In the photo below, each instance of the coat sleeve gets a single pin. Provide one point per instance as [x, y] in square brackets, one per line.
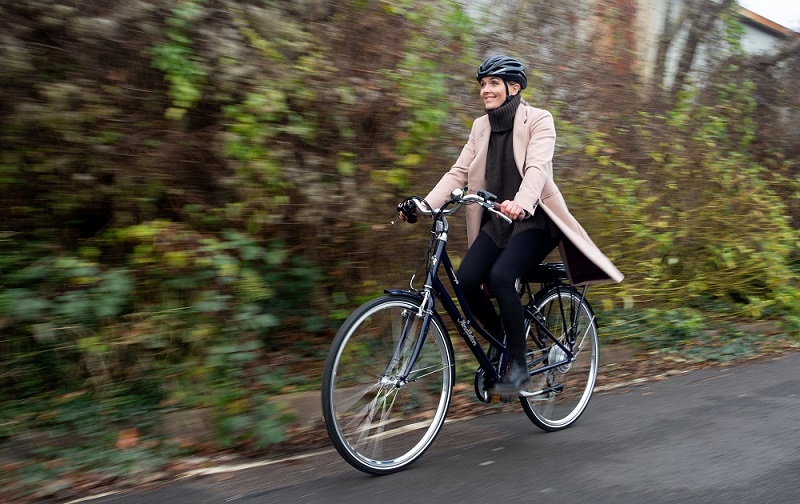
[538, 167]
[457, 176]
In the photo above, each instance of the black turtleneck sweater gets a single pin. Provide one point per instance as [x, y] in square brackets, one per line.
[502, 176]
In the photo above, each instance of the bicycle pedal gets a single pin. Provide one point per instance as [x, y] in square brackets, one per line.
[496, 399]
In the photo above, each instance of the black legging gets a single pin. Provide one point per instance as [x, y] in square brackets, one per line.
[500, 267]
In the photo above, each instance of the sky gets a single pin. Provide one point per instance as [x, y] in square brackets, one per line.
[783, 12]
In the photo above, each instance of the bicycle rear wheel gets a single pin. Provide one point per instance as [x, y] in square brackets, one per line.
[557, 398]
[377, 421]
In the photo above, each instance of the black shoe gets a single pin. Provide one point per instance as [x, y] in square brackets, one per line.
[512, 382]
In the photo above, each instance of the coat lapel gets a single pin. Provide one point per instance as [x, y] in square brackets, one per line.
[520, 137]
[478, 167]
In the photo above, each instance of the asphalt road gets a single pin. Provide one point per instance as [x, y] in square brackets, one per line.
[724, 435]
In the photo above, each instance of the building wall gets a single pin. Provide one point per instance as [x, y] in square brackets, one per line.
[760, 34]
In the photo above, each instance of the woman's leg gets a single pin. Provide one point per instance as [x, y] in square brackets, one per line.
[474, 272]
[524, 252]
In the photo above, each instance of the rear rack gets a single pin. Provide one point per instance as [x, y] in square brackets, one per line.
[546, 273]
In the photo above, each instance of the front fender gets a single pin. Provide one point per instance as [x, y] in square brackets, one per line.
[404, 292]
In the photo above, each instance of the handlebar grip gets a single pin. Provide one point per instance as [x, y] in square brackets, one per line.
[409, 209]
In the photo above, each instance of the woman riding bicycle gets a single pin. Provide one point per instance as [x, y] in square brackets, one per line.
[510, 154]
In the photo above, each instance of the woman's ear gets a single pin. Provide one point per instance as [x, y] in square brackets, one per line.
[514, 88]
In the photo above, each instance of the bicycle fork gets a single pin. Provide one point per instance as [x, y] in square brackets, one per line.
[397, 371]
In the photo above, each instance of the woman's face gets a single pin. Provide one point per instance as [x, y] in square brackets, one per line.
[493, 91]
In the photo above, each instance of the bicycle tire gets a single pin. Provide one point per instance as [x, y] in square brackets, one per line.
[377, 423]
[565, 391]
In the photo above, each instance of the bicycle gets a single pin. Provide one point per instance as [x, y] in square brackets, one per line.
[389, 374]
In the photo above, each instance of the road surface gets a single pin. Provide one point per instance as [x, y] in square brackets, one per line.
[724, 435]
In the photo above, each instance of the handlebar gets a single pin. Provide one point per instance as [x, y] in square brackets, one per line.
[458, 198]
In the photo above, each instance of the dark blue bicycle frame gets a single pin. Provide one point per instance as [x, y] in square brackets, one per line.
[466, 323]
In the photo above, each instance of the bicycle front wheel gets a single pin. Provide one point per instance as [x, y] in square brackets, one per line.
[559, 396]
[381, 410]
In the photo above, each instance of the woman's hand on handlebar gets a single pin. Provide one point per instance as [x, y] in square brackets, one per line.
[406, 210]
[511, 209]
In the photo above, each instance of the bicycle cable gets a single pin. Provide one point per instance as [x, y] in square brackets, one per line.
[425, 258]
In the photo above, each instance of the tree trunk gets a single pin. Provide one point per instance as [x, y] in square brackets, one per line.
[703, 15]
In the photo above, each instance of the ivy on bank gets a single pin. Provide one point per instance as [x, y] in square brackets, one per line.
[181, 322]
[177, 59]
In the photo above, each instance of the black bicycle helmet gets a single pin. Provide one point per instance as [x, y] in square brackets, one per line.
[505, 67]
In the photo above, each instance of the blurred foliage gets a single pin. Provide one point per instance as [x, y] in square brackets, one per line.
[196, 192]
[185, 186]
[699, 222]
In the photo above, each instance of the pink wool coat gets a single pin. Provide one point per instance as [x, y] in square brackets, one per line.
[534, 143]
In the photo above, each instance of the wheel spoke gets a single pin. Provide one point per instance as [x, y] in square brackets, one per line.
[562, 393]
[418, 374]
[346, 402]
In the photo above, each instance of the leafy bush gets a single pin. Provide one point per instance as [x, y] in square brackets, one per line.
[692, 220]
[183, 321]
